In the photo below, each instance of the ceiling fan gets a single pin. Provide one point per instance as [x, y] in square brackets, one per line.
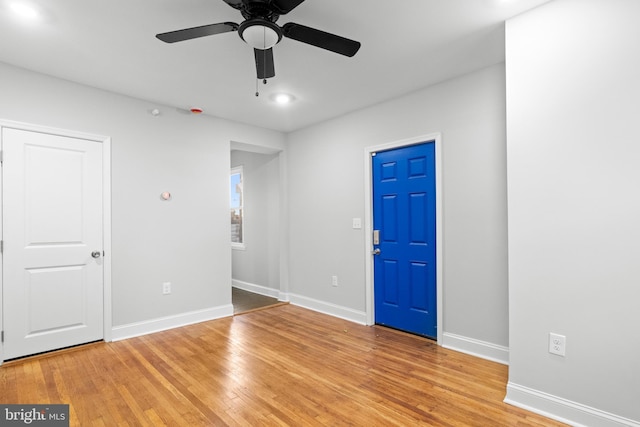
[260, 31]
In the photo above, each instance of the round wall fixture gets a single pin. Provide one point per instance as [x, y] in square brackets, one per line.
[165, 195]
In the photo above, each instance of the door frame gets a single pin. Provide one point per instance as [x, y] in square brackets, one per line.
[106, 215]
[435, 138]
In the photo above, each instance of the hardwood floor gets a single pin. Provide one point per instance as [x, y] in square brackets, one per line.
[245, 301]
[280, 366]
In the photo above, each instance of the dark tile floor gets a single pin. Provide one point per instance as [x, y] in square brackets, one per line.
[244, 301]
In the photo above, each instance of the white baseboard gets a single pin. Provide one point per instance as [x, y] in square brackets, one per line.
[256, 289]
[563, 410]
[474, 347]
[163, 323]
[327, 308]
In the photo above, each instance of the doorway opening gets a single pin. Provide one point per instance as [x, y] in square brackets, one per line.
[256, 261]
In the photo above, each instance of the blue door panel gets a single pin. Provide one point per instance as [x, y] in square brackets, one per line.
[391, 292]
[388, 171]
[417, 167]
[404, 214]
[390, 217]
[417, 214]
[418, 283]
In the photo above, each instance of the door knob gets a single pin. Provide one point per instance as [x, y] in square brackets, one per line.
[376, 251]
[95, 254]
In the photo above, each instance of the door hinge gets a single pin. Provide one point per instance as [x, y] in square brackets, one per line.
[1, 157]
[1, 246]
[2, 336]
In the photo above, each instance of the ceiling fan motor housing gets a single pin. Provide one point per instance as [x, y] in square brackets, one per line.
[258, 9]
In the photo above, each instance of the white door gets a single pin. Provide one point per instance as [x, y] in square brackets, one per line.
[53, 241]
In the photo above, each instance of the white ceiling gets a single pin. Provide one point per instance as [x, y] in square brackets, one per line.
[406, 45]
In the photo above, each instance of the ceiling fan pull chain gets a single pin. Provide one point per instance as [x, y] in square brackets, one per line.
[264, 54]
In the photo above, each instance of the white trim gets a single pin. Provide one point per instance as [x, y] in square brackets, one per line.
[1, 255]
[563, 410]
[170, 322]
[327, 308]
[106, 213]
[284, 227]
[368, 224]
[106, 238]
[477, 348]
[52, 130]
[256, 289]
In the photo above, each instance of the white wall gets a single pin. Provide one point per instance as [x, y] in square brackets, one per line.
[573, 92]
[259, 262]
[326, 190]
[184, 241]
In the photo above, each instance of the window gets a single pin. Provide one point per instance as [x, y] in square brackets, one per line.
[237, 234]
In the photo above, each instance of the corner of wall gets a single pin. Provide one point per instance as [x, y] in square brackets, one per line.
[478, 348]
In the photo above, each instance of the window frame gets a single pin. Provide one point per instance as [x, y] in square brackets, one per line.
[238, 170]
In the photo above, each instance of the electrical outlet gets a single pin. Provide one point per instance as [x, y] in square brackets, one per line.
[166, 288]
[557, 344]
[334, 281]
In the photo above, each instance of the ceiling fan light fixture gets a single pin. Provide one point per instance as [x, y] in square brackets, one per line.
[260, 34]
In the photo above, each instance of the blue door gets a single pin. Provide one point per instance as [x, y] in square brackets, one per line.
[404, 222]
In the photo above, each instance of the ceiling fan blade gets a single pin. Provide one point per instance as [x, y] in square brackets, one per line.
[195, 32]
[321, 39]
[284, 6]
[264, 63]
[236, 4]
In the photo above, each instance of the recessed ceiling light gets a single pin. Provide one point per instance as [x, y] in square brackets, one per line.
[283, 98]
[24, 11]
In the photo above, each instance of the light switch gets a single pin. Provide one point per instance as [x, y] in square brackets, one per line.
[357, 223]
